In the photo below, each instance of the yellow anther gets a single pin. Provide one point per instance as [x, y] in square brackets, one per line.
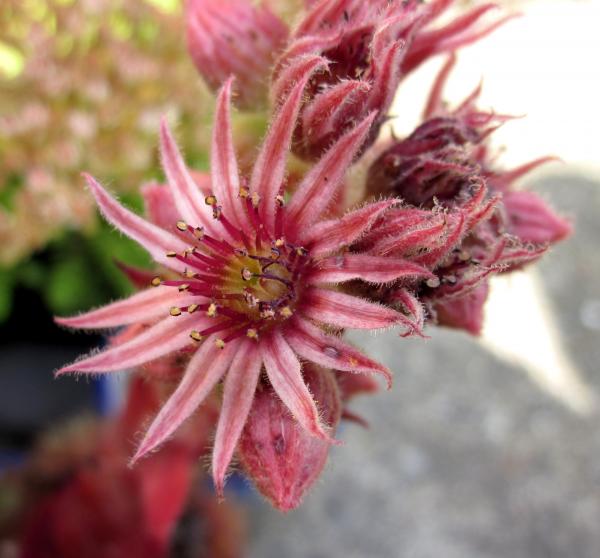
[220, 344]
[195, 335]
[210, 200]
[255, 199]
[183, 287]
[192, 308]
[182, 226]
[175, 311]
[156, 281]
[286, 312]
[247, 274]
[189, 274]
[279, 242]
[301, 251]
[199, 233]
[280, 200]
[212, 310]
[171, 254]
[244, 192]
[252, 333]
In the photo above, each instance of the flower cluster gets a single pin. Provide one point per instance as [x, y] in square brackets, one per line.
[262, 268]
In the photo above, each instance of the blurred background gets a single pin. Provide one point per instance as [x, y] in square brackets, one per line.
[484, 448]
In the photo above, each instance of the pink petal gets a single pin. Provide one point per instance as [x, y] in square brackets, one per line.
[167, 336]
[311, 343]
[283, 370]
[329, 236]
[372, 269]
[466, 312]
[330, 112]
[160, 207]
[154, 239]
[224, 168]
[291, 62]
[238, 394]
[435, 102]
[320, 185]
[346, 311]
[532, 220]
[269, 168]
[143, 307]
[186, 193]
[203, 372]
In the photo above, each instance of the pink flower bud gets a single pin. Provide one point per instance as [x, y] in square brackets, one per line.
[281, 457]
[234, 37]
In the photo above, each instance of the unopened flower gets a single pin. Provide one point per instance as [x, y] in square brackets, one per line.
[443, 171]
[249, 274]
[236, 37]
[371, 46]
[281, 457]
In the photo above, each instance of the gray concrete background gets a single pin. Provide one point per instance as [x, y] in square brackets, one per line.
[466, 457]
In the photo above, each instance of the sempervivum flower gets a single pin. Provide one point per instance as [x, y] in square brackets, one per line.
[228, 37]
[249, 281]
[443, 170]
[371, 46]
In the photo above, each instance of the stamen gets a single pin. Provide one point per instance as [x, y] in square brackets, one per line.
[171, 254]
[156, 281]
[175, 311]
[182, 226]
[286, 312]
[220, 343]
[212, 310]
[210, 200]
[247, 274]
[252, 333]
[183, 287]
[192, 308]
[196, 336]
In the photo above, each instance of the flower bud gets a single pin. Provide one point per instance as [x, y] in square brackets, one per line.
[234, 37]
[282, 458]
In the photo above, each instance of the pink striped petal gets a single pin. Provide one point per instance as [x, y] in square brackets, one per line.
[346, 311]
[269, 169]
[186, 193]
[283, 370]
[372, 269]
[203, 372]
[143, 307]
[238, 394]
[329, 236]
[311, 343]
[320, 185]
[167, 336]
[154, 239]
[224, 168]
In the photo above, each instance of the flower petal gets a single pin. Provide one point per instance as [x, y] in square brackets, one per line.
[223, 164]
[142, 307]
[269, 169]
[186, 193]
[159, 206]
[283, 370]
[320, 185]
[238, 394]
[167, 336]
[154, 239]
[346, 311]
[329, 236]
[311, 343]
[372, 269]
[203, 372]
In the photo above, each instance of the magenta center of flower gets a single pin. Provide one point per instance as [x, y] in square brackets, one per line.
[249, 282]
